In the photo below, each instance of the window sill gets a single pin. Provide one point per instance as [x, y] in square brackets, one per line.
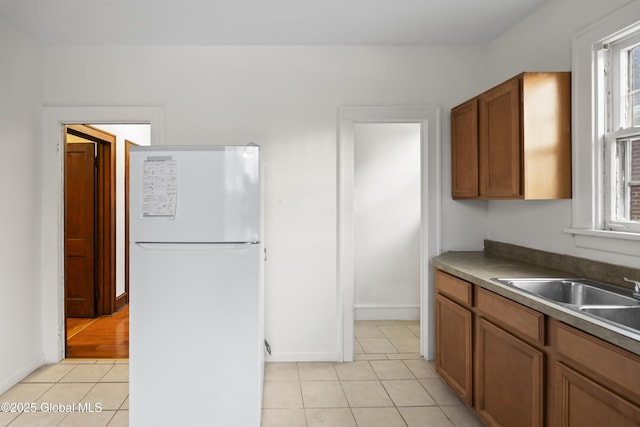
[620, 242]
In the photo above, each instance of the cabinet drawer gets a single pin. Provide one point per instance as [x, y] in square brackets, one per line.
[615, 367]
[456, 289]
[524, 322]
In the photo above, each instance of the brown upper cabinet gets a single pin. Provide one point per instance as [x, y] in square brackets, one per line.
[464, 150]
[514, 140]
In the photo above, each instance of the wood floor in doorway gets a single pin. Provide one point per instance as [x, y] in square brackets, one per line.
[105, 337]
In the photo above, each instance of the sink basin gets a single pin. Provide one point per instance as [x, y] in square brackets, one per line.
[610, 304]
[626, 316]
[576, 292]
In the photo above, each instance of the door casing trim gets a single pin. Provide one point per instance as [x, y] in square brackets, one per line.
[52, 203]
[431, 194]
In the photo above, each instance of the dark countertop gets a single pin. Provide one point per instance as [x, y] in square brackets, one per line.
[480, 268]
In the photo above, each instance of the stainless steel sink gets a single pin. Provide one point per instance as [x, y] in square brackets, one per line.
[612, 305]
[574, 292]
[626, 316]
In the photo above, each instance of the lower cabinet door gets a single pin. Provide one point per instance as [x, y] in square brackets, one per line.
[454, 345]
[509, 379]
[581, 402]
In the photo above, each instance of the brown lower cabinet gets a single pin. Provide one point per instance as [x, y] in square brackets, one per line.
[517, 367]
[582, 402]
[453, 361]
[509, 379]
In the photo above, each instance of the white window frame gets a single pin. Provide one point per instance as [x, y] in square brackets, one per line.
[610, 221]
[587, 215]
[613, 68]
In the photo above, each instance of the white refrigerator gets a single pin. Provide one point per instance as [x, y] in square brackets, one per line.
[196, 352]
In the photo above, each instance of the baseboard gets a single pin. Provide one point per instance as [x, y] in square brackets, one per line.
[302, 357]
[21, 373]
[399, 312]
[121, 301]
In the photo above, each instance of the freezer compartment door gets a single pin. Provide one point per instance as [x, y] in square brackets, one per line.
[195, 194]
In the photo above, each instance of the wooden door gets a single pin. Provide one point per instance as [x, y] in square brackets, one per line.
[106, 229]
[500, 141]
[581, 402]
[464, 150]
[104, 213]
[509, 379]
[80, 230]
[454, 346]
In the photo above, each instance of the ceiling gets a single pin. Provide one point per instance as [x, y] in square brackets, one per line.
[264, 22]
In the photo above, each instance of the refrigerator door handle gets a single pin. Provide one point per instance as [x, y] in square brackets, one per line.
[163, 246]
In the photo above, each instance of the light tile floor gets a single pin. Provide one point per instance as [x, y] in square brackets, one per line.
[388, 384]
[98, 388]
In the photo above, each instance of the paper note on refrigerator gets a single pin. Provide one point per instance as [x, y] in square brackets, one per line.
[159, 187]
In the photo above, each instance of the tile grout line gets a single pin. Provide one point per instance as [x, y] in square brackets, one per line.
[304, 409]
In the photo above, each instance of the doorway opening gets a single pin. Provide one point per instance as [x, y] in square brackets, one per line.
[95, 193]
[428, 122]
[52, 208]
[387, 225]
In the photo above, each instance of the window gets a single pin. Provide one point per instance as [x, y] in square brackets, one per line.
[594, 137]
[619, 111]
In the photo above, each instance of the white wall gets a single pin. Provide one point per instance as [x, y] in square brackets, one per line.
[542, 42]
[20, 304]
[141, 135]
[285, 99]
[387, 220]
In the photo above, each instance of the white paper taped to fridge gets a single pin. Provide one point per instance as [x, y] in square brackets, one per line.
[159, 187]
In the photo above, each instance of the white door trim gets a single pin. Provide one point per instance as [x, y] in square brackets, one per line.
[429, 118]
[52, 204]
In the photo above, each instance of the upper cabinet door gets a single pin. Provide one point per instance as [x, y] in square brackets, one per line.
[500, 141]
[464, 150]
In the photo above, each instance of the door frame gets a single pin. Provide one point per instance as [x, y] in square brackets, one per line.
[431, 195]
[52, 204]
[127, 154]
